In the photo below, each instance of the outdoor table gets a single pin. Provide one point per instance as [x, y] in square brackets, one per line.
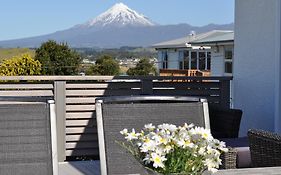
[251, 171]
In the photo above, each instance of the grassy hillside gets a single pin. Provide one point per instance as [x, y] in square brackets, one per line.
[9, 53]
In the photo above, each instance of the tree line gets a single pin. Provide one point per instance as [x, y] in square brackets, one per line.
[120, 53]
[53, 58]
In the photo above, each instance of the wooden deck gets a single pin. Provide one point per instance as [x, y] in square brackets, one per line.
[79, 168]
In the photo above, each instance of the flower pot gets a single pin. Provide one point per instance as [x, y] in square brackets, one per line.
[151, 172]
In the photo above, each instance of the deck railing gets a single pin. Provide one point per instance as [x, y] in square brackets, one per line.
[184, 72]
[75, 100]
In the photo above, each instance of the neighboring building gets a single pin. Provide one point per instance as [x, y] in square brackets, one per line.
[177, 55]
[257, 64]
[222, 47]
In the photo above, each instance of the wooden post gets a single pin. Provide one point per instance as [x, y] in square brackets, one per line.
[59, 88]
[147, 86]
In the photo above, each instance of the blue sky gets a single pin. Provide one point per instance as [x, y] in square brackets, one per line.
[36, 17]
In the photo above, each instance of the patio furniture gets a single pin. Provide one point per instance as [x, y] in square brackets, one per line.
[251, 171]
[241, 147]
[116, 113]
[225, 123]
[229, 159]
[28, 137]
[265, 148]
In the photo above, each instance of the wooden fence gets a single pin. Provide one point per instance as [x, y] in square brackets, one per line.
[75, 100]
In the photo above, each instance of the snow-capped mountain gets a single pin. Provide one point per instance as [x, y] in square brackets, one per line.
[116, 27]
[119, 15]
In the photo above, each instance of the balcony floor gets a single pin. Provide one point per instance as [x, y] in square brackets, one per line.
[93, 168]
[79, 168]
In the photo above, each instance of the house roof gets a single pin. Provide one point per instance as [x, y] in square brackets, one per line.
[221, 37]
[185, 42]
[176, 43]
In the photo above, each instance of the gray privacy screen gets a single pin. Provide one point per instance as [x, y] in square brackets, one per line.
[116, 117]
[25, 139]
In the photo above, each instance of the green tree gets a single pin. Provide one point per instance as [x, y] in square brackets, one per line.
[143, 67]
[20, 65]
[58, 59]
[105, 65]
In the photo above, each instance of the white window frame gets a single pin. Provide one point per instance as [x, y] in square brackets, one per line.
[165, 54]
[228, 48]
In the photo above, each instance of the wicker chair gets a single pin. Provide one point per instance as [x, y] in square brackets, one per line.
[116, 113]
[225, 123]
[229, 159]
[265, 148]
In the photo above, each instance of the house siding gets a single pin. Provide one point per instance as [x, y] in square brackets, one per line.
[256, 78]
[175, 56]
[159, 60]
[217, 62]
[173, 60]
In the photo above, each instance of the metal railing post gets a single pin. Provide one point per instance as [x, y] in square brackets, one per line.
[59, 93]
[225, 93]
[147, 86]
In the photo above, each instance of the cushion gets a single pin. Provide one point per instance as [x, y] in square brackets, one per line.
[241, 145]
[243, 159]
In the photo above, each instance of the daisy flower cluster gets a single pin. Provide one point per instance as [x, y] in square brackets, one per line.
[171, 149]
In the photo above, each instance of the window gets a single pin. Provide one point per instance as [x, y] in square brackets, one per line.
[193, 60]
[228, 67]
[199, 60]
[208, 61]
[228, 57]
[180, 59]
[164, 59]
[186, 59]
[202, 60]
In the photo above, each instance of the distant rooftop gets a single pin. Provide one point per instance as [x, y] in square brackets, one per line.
[213, 39]
[208, 37]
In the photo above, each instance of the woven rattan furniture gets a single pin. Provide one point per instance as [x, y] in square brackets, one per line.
[241, 146]
[116, 113]
[28, 137]
[229, 159]
[225, 123]
[265, 148]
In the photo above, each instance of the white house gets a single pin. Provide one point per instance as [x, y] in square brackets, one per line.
[182, 54]
[257, 63]
[222, 47]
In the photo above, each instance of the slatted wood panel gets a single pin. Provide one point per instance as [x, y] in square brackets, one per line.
[81, 128]
[208, 89]
[26, 90]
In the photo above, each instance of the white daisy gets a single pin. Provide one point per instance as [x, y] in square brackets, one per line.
[132, 135]
[158, 161]
[149, 127]
[124, 131]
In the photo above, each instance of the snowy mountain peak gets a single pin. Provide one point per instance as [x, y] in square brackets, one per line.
[119, 15]
[119, 7]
